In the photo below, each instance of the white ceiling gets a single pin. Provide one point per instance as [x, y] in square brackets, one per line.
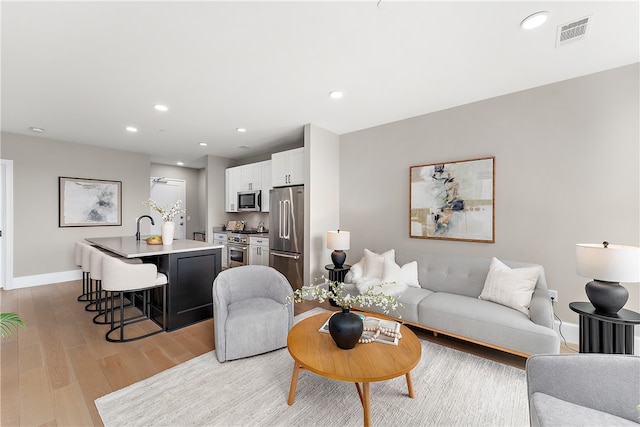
[85, 70]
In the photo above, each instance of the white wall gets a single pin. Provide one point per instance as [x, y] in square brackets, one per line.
[567, 171]
[322, 201]
[40, 246]
[215, 191]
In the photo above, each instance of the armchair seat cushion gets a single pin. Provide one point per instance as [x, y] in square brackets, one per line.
[552, 411]
[258, 324]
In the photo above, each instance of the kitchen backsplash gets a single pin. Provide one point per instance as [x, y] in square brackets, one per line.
[251, 219]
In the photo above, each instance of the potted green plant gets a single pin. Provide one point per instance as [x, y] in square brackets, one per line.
[8, 323]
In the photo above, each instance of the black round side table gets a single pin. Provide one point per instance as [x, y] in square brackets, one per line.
[605, 333]
[337, 274]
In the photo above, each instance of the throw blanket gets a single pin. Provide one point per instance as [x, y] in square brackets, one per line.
[392, 288]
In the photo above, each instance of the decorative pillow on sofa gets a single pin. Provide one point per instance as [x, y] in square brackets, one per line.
[407, 274]
[367, 274]
[512, 287]
[373, 265]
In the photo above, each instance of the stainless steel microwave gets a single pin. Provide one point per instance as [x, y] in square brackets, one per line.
[249, 200]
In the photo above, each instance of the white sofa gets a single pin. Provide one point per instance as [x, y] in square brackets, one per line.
[446, 301]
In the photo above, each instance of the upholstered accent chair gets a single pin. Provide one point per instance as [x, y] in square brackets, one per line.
[250, 311]
[586, 389]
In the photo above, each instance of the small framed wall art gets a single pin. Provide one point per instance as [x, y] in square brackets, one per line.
[89, 202]
[453, 201]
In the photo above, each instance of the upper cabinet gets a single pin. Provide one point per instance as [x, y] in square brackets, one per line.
[250, 177]
[287, 168]
[233, 176]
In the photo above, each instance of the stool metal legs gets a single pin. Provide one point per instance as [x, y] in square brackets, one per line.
[146, 314]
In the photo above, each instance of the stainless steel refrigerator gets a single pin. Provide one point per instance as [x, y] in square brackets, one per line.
[286, 232]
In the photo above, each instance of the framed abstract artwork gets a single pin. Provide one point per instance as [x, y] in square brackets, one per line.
[453, 201]
[89, 202]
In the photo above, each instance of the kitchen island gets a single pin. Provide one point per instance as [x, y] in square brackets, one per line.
[191, 266]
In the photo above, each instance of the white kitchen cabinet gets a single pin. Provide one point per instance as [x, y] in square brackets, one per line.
[221, 239]
[287, 167]
[258, 250]
[251, 177]
[233, 177]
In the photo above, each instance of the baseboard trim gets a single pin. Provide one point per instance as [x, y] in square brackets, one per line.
[46, 279]
[571, 333]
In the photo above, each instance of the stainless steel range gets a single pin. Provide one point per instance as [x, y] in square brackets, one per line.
[237, 250]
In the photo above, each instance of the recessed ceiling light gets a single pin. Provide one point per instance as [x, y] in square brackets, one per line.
[241, 130]
[203, 144]
[336, 94]
[131, 129]
[161, 107]
[36, 129]
[244, 147]
[534, 21]
[180, 163]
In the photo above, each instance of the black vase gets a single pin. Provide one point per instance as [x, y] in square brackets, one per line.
[345, 329]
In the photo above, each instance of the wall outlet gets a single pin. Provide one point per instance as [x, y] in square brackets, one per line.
[553, 294]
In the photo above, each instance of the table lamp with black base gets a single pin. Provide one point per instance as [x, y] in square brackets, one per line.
[339, 242]
[608, 265]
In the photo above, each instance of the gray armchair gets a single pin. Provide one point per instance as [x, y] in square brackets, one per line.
[250, 311]
[586, 389]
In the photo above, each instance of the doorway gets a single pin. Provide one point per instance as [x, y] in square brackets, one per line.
[165, 192]
[6, 224]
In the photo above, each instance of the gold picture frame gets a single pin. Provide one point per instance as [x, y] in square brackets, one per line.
[453, 200]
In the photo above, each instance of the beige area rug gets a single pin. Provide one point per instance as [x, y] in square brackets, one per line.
[452, 389]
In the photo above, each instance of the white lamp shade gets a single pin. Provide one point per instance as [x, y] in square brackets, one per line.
[338, 240]
[615, 263]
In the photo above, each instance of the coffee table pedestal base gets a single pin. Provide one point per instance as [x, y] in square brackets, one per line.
[364, 392]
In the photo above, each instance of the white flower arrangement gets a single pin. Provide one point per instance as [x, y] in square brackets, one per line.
[335, 291]
[167, 213]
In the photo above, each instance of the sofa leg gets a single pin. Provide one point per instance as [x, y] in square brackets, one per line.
[435, 334]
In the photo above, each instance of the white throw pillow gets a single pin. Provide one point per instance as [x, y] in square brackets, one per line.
[408, 273]
[512, 287]
[374, 263]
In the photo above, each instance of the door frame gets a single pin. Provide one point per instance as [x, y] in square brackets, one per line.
[6, 224]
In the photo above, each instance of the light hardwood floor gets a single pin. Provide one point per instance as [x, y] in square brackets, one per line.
[53, 369]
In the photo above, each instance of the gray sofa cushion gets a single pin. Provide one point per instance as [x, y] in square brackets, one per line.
[410, 300]
[551, 411]
[487, 322]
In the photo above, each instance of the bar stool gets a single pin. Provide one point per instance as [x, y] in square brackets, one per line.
[96, 274]
[119, 277]
[86, 269]
[85, 275]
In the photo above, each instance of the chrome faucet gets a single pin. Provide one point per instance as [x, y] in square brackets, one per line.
[138, 224]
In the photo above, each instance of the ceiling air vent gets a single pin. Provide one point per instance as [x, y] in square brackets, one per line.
[572, 31]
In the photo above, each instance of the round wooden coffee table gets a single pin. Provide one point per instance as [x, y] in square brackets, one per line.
[366, 363]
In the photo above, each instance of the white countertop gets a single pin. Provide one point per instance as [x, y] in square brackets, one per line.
[129, 247]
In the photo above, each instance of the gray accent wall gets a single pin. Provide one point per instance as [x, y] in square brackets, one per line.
[39, 245]
[566, 169]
